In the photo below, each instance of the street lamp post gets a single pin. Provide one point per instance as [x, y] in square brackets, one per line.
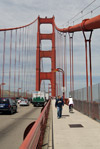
[0, 87]
[18, 91]
[61, 70]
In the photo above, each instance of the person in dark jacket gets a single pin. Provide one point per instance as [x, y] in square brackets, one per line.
[59, 103]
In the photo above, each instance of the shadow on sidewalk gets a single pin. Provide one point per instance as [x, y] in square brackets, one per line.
[63, 116]
[72, 112]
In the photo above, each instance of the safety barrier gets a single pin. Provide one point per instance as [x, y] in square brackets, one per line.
[34, 138]
[92, 109]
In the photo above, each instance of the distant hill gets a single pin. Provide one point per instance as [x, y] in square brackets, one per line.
[6, 94]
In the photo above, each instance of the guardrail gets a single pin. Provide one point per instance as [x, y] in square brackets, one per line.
[91, 109]
[34, 139]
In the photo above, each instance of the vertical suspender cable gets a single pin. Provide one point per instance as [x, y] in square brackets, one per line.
[25, 57]
[27, 61]
[3, 68]
[59, 62]
[10, 61]
[22, 62]
[86, 64]
[66, 70]
[31, 49]
[65, 67]
[30, 64]
[70, 63]
[89, 40]
[19, 60]
[57, 55]
[15, 63]
[90, 64]
[72, 66]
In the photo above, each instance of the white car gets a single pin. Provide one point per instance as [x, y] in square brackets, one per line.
[24, 102]
[19, 100]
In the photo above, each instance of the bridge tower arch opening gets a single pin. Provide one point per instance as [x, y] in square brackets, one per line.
[50, 53]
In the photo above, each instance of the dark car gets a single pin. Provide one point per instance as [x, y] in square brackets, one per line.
[8, 105]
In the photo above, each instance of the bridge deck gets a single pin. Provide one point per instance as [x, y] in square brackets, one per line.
[65, 137]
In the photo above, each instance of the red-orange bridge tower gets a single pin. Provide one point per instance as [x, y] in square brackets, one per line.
[51, 53]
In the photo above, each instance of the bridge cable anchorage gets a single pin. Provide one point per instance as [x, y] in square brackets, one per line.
[71, 61]
[90, 61]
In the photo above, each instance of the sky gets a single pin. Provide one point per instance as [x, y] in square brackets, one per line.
[21, 12]
[14, 13]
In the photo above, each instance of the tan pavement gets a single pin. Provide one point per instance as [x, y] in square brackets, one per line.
[86, 137]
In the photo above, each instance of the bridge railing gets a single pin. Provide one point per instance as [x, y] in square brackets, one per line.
[34, 139]
[88, 107]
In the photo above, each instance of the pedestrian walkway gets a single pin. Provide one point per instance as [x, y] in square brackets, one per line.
[77, 137]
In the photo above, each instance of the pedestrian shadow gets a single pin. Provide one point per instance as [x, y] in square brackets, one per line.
[72, 112]
[64, 116]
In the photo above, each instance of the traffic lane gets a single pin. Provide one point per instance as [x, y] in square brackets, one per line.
[7, 119]
[5, 116]
[11, 134]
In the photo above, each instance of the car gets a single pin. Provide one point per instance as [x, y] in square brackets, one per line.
[24, 102]
[8, 105]
[18, 101]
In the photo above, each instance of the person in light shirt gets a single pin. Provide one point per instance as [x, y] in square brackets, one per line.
[71, 103]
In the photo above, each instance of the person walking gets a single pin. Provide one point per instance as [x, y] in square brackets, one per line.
[58, 104]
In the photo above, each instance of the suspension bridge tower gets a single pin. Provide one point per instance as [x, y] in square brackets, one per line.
[51, 53]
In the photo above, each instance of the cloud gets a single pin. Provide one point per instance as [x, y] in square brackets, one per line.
[20, 12]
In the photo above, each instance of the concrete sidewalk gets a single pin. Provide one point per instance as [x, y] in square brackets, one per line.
[65, 137]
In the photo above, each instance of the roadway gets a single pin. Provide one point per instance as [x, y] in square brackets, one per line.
[12, 126]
